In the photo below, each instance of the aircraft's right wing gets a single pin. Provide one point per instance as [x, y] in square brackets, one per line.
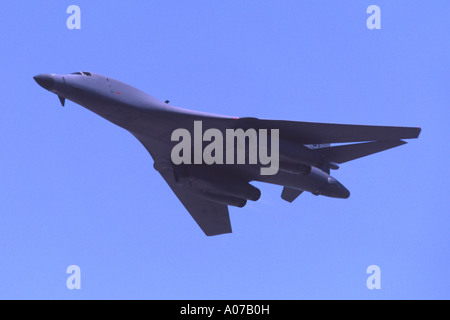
[213, 218]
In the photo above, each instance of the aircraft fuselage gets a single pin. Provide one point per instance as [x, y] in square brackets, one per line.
[143, 115]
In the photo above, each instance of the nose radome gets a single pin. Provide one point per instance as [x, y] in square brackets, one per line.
[46, 81]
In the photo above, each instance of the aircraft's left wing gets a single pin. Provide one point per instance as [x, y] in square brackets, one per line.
[324, 133]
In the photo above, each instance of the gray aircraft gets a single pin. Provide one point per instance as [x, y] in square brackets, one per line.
[305, 152]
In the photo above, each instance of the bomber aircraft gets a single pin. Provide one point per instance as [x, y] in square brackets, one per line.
[205, 158]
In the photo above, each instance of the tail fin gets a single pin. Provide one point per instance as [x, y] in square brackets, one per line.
[341, 154]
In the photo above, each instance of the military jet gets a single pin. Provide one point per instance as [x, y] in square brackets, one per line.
[301, 153]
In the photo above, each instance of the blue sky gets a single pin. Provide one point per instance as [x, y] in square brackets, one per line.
[75, 189]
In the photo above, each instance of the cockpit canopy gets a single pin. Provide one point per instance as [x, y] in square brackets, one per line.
[82, 73]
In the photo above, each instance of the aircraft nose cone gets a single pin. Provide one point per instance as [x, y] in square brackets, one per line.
[46, 81]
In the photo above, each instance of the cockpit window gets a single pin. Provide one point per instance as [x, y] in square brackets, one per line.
[83, 73]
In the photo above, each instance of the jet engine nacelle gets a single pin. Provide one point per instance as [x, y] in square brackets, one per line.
[297, 153]
[294, 168]
[318, 176]
[218, 189]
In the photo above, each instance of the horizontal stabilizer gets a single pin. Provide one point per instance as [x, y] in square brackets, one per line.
[341, 154]
[290, 194]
